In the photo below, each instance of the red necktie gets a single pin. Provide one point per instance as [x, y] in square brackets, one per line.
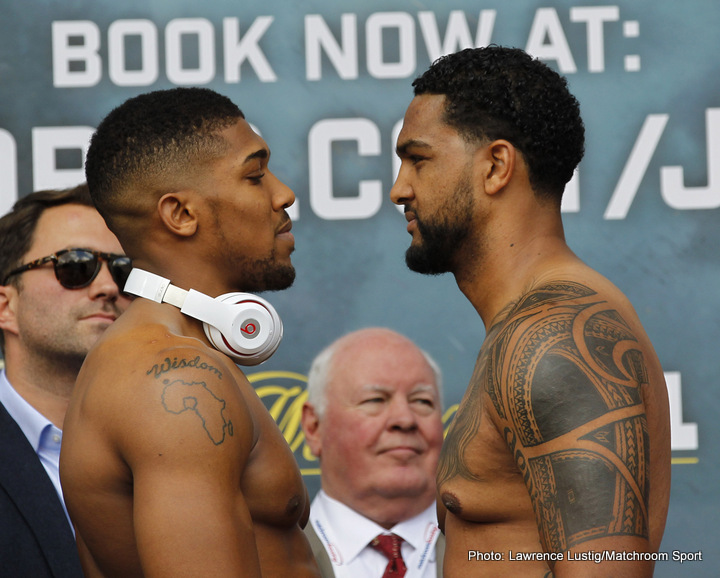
[390, 546]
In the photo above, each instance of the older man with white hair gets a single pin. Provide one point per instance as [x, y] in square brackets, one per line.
[374, 420]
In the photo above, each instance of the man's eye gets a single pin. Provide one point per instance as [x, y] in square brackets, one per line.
[257, 178]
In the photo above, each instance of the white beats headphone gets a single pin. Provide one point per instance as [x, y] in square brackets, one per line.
[241, 325]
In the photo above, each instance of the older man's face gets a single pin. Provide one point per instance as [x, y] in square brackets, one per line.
[381, 432]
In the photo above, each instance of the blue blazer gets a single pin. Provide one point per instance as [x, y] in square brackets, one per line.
[35, 538]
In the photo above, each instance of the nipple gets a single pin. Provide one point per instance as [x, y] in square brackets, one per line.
[293, 505]
[451, 503]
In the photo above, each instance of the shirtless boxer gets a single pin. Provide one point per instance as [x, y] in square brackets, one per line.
[560, 449]
[171, 465]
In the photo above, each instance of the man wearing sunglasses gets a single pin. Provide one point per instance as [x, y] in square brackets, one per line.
[61, 270]
[171, 465]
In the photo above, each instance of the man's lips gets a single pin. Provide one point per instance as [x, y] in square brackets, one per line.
[411, 218]
[286, 228]
[401, 449]
[284, 233]
[101, 316]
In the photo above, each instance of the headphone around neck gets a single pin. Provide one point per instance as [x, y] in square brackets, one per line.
[243, 326]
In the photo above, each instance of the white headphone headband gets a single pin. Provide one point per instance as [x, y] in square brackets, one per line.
[151, 286]
[243, 326]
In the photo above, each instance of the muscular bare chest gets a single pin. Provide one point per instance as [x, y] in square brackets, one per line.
[478, 479]
[271, 483]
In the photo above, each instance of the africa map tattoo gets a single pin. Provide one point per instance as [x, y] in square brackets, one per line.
[180, 396]
[565, 367]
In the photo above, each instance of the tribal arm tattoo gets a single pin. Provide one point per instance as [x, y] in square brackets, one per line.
[565, 375]
[566, 378]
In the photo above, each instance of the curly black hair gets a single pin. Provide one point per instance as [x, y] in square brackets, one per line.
[499, 92]
[151, 137]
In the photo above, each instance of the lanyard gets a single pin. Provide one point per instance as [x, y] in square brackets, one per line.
[416, 563]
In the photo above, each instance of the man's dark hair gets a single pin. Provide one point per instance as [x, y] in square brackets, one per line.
[149, 138]
[17, 228]
[503, 93]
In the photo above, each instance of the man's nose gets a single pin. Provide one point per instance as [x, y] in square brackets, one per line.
[401, 415]
[401, 192]
[104, 285]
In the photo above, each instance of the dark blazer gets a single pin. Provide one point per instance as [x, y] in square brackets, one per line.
[35, 537]
[326, 566]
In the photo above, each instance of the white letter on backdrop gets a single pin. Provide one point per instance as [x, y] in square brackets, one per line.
[595, 16]
[46, 140]
[236, 51]
[318, 35]
[547, 24]
[376, 23]
[66, 52]
[205, 33]
[672, 180]
[117, 69]
[320, 140]
[8, 170]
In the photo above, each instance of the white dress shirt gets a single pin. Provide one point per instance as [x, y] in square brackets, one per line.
[346, 535]
[44, 437]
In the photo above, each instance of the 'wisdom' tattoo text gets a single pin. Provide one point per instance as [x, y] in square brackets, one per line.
[168, 365]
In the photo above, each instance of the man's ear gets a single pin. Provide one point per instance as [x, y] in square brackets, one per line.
[311, 427]
[8, 301]
[178, 213]
[500, 158]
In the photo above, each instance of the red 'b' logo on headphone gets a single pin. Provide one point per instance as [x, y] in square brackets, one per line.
[249, 328]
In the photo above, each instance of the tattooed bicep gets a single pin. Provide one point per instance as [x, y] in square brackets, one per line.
[563, 359]
[192, 387]
[567, 379]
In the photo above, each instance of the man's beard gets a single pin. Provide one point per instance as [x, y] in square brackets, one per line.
[441, 235]
[264, 275]
[255, 276]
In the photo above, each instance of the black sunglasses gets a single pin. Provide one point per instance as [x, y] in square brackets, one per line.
[76, 268]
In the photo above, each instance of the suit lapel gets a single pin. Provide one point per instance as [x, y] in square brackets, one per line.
[321, 555]
[27, 484]
[440, 554]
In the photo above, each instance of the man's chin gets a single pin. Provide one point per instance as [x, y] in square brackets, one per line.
[418, 259]
[277, 279]
[404, 479]
[282, 279]
[404, 488]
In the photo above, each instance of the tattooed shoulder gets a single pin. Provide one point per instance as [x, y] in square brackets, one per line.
[192, 385]
[566, 369]
[563, 358]
[199, 400]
